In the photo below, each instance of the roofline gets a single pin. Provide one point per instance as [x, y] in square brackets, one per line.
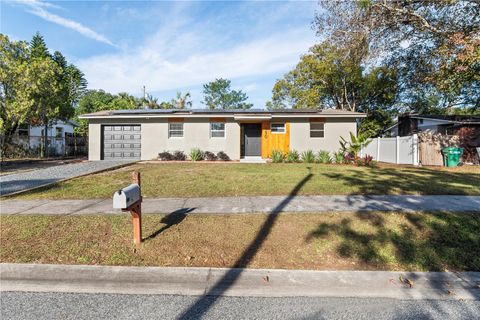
[222, 115]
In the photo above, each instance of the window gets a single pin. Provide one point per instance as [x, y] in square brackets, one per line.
[175, 130]
[217, 129]
[23, 130]
[58, 132]
[277, 127]
[317, 129]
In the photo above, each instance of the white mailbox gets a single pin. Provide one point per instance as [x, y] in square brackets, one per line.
[124, 198]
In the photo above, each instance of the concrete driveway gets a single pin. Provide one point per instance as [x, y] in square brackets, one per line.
[16, 182]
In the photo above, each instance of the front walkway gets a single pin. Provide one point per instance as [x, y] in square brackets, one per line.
[22, 181]
[260, 204]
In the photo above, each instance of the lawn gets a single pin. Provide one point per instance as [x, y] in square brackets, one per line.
[234, 179]
[341, 241]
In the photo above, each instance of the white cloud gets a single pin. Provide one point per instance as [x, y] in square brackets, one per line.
[38, 8]
[154, 65]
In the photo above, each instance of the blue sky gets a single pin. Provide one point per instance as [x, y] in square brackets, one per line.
[170, 46]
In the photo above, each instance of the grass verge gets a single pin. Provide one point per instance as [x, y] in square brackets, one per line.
[353, 241]
[228, 179]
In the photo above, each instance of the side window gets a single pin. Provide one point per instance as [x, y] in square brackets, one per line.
[317, 129]
[175, 130]
[217, 130]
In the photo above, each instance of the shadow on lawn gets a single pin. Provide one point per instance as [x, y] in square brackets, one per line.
[170, 220]
[204, 303]
[378, 180]
[424, 241]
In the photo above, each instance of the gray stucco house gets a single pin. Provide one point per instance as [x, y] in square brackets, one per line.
[142, 134]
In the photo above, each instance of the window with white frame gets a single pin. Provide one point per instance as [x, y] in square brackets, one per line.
[58, 132]
[277, 127]
[23, 129]
[217, 129]
[175, 129]
[317, 129]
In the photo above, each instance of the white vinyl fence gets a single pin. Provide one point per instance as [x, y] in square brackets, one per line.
[399, 150]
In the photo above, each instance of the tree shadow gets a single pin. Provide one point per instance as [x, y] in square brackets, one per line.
[378, 180]
[170, 220]
[433, 241]
[204, 303]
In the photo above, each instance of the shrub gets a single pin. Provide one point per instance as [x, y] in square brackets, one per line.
[223, 156]
[277, 156]
[292, 156]
[348, 158]
[196, 154]
[165, 156]
[209, 156]
[179, 156]
[367, 160]
[339, 157]
[308, 156]
[324, 157]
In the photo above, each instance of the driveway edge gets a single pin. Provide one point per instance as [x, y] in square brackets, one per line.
[239, 282]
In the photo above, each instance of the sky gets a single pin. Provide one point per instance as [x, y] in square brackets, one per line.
[122, 46]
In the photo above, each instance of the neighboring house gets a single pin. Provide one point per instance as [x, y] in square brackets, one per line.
[415, 123]
[142, 134]
[57, 134]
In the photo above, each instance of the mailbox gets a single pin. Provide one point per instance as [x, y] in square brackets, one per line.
[124, 198]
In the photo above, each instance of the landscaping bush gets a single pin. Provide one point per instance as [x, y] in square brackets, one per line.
[348, 158]
[277, 156]
[339, 157]
[308, 156]
[209, 156]
[223, 156]
[165, 156]
[179, 156]
[324, 157]
[196, 154]
[367, 160]
[292, 156]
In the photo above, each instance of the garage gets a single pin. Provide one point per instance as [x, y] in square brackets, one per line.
[121, 142]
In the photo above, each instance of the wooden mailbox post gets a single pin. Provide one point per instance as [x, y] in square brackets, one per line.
[130, 199]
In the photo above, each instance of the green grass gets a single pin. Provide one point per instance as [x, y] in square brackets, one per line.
[341, 241]
[233, 179]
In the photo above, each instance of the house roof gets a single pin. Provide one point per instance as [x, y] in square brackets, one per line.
[457, 119]
[148, 113]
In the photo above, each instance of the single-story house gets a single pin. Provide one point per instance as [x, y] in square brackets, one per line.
[143, 133]
[409, 124]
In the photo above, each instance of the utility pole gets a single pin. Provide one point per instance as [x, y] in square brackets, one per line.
[144, 97]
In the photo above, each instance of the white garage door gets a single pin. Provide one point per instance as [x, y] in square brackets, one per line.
[121, 142]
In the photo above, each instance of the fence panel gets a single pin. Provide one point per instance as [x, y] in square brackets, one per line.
[399, 150]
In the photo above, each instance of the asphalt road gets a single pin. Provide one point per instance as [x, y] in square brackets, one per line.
[22, 305]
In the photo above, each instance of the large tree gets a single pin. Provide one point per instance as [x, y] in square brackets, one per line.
[219, 95]
[333, 77]
[433, 44]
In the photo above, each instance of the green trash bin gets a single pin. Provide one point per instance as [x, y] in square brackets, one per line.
[451, 156]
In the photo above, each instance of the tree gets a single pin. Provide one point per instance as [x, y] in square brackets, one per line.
[182, 101]
[99, 100]
[328, 77]
[219, 95]
[433, 44]
[15, 102]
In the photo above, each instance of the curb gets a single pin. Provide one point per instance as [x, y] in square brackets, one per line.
[239, 282]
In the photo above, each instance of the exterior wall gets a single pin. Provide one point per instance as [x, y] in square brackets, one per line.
[334, 129]
[94, 141]
[196, 134]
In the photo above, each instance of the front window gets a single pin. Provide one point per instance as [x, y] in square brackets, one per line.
[58, 132]
[277, 127]
[175, 130]
[317, 129]
[23, 129]
[217, 130]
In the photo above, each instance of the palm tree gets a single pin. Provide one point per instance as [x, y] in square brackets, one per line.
[182, 101]
[152, 103]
